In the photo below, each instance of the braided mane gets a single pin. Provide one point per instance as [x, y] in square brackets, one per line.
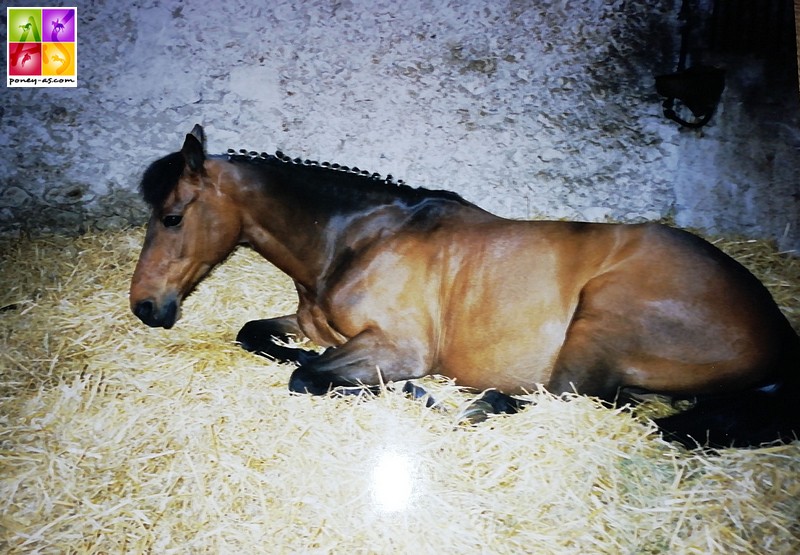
[243, 155]
[161, 177]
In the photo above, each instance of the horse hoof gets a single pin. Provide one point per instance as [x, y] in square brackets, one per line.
[491, 402]
[416, 392]
[304, 381]
[477, 412]
[250, 338]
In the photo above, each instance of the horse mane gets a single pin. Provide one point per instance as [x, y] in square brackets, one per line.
[161, 177]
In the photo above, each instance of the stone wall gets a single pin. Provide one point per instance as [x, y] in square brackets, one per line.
[530, 109]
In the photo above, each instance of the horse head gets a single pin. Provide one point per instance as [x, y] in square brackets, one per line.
[194, 225]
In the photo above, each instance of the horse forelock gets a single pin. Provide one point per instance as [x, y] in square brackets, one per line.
[161, 178]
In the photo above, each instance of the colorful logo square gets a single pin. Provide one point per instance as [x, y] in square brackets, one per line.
[24, 25]
[42, 47]
[25, 58]
[58, 25]
[58, 58]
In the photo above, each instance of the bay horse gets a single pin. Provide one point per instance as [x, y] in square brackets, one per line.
[400, 282]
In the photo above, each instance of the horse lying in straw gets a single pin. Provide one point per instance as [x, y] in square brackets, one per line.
[399, 283]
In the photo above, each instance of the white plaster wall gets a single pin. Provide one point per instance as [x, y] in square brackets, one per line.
[529, 108]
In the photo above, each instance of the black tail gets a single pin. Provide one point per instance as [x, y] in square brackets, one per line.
[747, 419]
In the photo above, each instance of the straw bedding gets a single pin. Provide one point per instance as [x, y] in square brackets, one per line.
[117, 438]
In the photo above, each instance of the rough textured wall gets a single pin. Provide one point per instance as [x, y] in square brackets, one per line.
[530, 108]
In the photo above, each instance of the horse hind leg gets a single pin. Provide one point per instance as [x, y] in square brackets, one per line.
[746, 418]
[584, 367]
[590, 363]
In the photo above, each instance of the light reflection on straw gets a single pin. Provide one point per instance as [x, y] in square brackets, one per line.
[392, 482]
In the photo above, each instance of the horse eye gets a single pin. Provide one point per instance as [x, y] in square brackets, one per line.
[172, 221]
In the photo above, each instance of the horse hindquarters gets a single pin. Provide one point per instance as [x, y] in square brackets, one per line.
[764, 411]
[674, 315]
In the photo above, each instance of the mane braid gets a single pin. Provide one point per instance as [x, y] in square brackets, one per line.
[161, 177]
[363, 177]
[263, 157]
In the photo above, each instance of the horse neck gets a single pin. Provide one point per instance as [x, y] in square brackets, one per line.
[302, 238]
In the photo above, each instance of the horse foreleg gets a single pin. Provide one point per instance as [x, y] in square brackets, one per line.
[263, 336]
[368, 359]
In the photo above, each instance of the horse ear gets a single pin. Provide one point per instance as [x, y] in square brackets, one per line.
[194, 149]
[199, 134]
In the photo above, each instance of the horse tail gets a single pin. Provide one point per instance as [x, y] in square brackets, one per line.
[767, 413]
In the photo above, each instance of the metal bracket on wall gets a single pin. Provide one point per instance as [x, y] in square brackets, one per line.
[699, 88]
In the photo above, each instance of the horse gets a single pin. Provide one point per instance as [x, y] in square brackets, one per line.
[397, 283]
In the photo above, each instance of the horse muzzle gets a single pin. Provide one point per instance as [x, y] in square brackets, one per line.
[157, 316]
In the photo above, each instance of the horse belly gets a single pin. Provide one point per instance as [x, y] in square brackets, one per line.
[513, 364]
[506, 322]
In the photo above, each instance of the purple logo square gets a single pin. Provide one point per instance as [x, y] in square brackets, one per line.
[58, 25]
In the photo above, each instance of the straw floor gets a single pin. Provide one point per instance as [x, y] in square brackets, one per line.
[117, 438]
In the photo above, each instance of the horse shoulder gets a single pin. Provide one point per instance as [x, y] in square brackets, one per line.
[391, 284]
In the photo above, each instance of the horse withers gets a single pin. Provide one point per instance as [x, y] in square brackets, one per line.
[400, 282]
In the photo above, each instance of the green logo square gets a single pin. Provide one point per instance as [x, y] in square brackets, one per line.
[24, 25]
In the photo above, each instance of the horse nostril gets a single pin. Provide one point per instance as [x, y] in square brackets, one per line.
[143, 310]
[157, 316]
